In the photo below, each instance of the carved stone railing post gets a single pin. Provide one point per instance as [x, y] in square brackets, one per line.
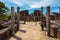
[12, 20]
[18, 17]
[48, 20]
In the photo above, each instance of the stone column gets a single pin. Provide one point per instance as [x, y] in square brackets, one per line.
[24, 18]
[59, 12]
[48, 20]
[55, 17]
[15, 18]
[18, 17]
[41, 11]
[12, 20]
[41, 19]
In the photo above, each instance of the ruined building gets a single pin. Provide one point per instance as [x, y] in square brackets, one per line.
[24, 15]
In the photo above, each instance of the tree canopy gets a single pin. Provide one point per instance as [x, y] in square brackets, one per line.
[3, 9]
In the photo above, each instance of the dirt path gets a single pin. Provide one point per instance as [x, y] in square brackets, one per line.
[30, 31]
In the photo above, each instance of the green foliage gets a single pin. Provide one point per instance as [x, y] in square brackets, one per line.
[3, 9]
[6, 17]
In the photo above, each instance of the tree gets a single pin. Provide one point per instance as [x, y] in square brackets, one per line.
[3, 9]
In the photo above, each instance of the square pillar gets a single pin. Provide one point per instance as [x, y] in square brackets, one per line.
[12, 21]
[18, 17]
[48, 20]
[41, 18]
[24, 18]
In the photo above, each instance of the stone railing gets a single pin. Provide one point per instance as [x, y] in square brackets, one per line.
[6, 32]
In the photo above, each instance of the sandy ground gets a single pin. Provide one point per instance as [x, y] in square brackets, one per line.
[31, 31]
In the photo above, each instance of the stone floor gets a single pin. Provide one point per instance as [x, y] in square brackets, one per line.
[31, 31]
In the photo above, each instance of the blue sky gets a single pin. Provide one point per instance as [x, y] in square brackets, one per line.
[32, 5]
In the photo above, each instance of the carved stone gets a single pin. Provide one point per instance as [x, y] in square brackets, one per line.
[41, 18]
[48, 20]
[18, 17]
[12, 20]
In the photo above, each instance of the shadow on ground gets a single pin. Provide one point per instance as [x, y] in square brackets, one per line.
[17, 38]
[22, 31]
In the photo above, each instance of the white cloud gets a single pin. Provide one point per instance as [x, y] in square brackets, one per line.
[34, 3]
[43, 3]
[17, 2]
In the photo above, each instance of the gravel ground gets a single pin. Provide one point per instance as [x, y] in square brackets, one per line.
[31, 31]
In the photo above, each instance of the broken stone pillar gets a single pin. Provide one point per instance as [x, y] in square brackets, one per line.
[41, 18]
[12, 20]
[48, 20]
[59, 12]
[24, 18]
[41, 11]
[55, 17]
[18, 17]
